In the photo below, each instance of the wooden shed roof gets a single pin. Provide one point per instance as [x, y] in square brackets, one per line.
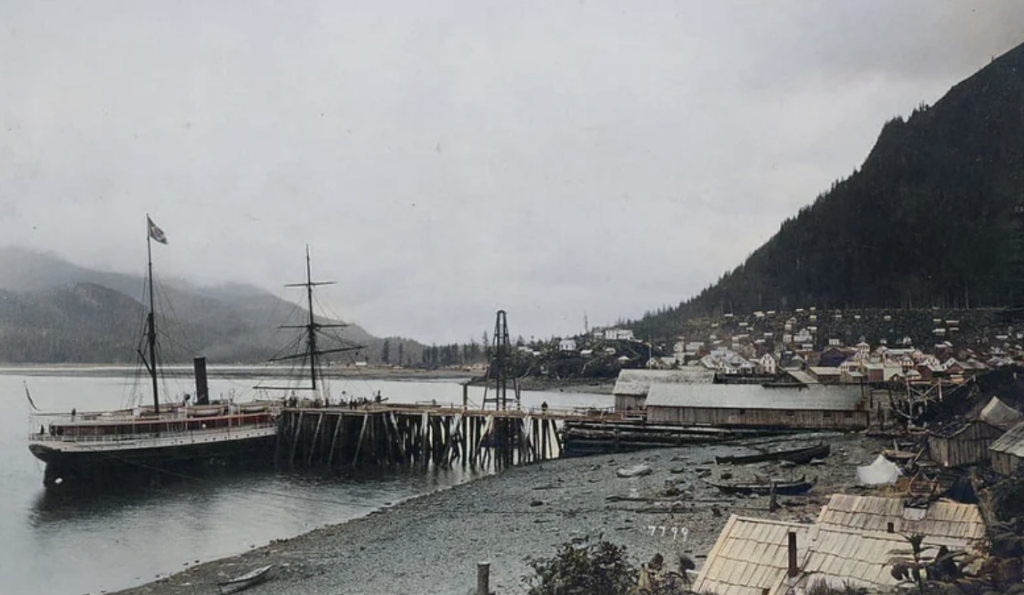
[842, 556]
[752, 396]
[953, 524]
[959, 426]
[750, 557]
[801, 376]
[1011, 442]
[635, 383]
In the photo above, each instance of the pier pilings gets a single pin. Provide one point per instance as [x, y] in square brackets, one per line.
[441, 437]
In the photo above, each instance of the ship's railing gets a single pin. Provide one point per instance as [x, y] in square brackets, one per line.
[104, 416]
[107, 438]
[169, 413]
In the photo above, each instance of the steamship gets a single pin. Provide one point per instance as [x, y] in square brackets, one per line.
[104, 447]
[101, 447]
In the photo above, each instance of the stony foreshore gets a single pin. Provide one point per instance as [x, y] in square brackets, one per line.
[431, 544]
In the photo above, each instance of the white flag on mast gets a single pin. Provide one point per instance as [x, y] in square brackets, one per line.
[155, 232]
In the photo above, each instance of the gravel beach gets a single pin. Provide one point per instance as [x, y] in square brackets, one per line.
[431, 544]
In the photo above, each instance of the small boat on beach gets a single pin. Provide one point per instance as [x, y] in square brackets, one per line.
[784, 488]
[245, 581]
[799, 456]
[901, 457]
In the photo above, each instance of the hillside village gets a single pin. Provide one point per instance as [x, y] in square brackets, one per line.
[933, 394]
[832, 346]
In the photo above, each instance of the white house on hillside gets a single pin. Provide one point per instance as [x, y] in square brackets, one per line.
[726, 361]
[618, 334]
[567, 345]
[803, 336]
[768, 364]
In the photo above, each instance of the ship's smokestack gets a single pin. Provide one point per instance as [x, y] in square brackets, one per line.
[202, 390]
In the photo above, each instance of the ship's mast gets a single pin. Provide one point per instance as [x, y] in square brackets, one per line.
[311, 325]
[151, 334]
[312, 352]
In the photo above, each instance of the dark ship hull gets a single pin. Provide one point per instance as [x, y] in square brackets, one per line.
[106, 463]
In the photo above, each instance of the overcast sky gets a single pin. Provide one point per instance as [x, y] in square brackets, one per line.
[444, 159]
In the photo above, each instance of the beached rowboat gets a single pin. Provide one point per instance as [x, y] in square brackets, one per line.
[789, 488]
[245, 581]
[800, 456]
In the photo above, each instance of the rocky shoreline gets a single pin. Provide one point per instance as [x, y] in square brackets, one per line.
[431, 544]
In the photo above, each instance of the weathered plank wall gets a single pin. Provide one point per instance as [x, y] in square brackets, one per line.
[628, 403]
[1004, 463]
[765, 418]
[969, 446]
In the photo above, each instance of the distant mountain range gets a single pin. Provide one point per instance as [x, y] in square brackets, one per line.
[934, 217]
[52, 311]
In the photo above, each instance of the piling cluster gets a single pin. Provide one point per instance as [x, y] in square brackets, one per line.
[392, 435]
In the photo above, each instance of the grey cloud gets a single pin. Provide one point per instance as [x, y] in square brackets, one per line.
[450, 158]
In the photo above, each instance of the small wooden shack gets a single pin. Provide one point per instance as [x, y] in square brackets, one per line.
[825, 374]
[966, 444]
[1008, 451]
[632, 385]
[813, 407]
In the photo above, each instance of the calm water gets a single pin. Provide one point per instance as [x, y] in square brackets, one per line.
[54, 542]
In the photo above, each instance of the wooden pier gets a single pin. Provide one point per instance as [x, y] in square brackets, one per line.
[386, 435]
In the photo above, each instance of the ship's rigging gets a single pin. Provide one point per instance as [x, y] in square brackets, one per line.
[152, 233]
[310, 356]
[320, 337]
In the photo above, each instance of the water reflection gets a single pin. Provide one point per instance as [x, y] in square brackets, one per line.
[360, 491]
[68, 540]
[82, 502]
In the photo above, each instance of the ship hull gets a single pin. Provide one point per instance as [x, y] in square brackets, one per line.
[99, 464]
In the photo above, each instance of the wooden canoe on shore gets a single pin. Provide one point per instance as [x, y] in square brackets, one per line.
[246, 580]
[901, 456]
[800, 456]
[784, 488]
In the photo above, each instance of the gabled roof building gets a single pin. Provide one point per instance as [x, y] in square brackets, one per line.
[1008, 451]
[852, 543]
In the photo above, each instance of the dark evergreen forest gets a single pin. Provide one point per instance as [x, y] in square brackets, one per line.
[932, 218]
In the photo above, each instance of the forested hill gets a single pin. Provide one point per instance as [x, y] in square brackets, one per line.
[930, 218]
[52, 311]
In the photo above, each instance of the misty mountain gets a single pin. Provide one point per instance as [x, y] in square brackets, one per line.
[52, 311]
[934, 217]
